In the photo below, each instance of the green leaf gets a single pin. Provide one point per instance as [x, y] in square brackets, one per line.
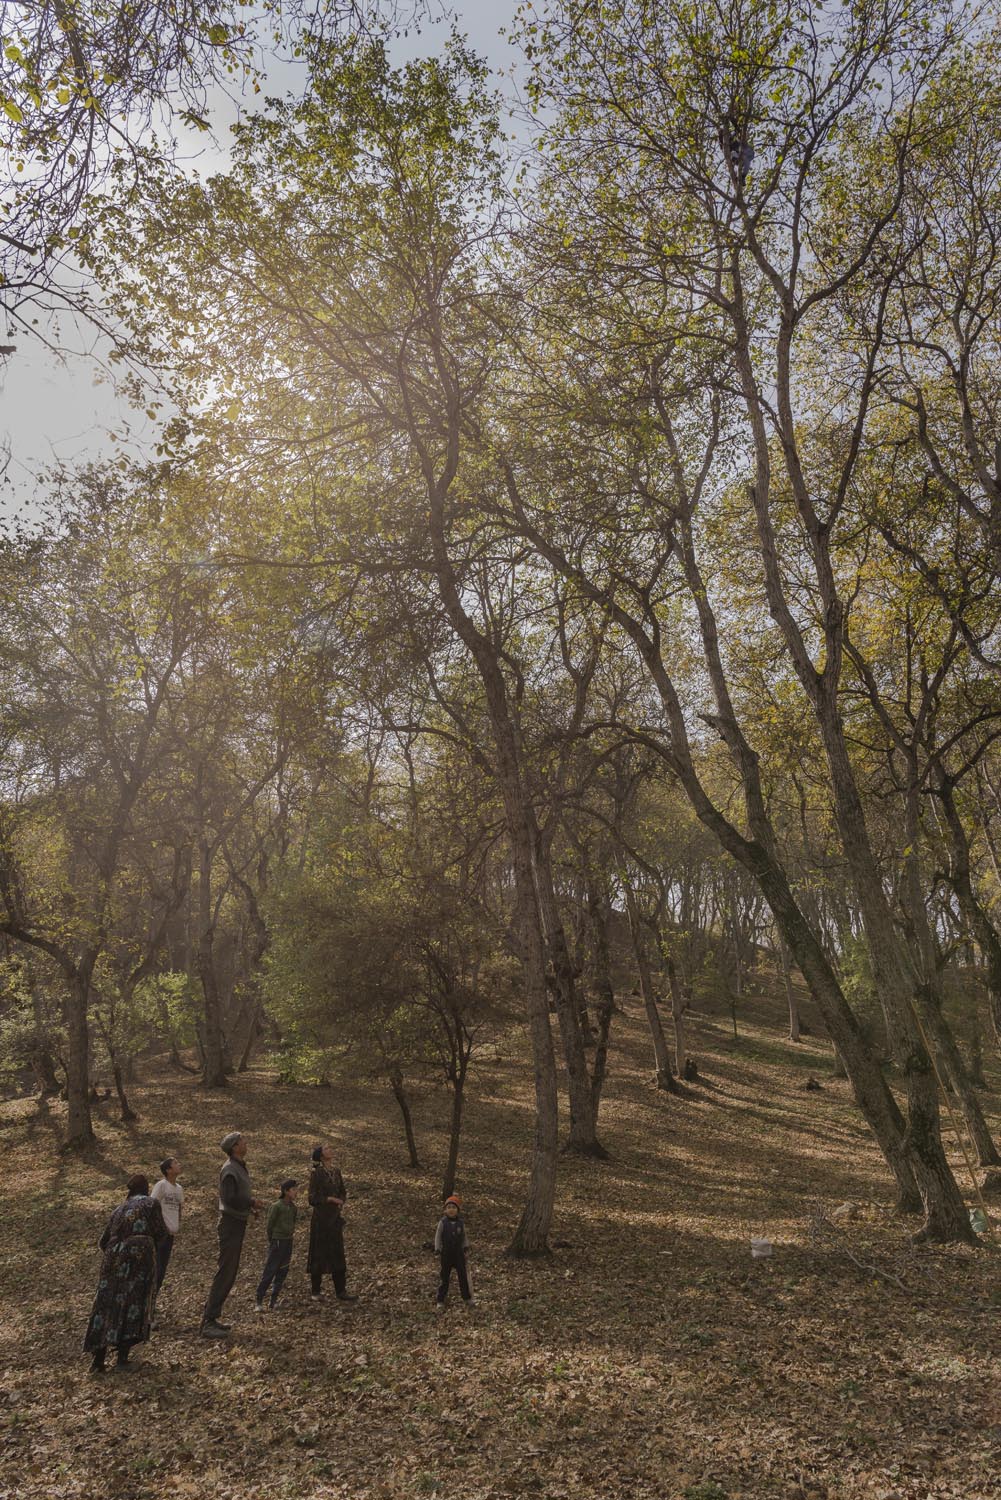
[12, 111]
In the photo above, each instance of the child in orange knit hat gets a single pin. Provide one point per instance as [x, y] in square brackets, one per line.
[451, 1244]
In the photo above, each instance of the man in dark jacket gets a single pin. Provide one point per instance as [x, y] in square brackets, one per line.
[236, 1204]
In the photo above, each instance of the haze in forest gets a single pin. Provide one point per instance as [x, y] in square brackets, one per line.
[58, 402]
[519, 758]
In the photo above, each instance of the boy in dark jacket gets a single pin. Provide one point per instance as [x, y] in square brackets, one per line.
[280, 1227]
[451, 1244]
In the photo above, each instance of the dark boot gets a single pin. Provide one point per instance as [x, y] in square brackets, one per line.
[97, 1365]
[122, 1363]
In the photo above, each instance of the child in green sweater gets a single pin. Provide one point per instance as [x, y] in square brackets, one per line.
[280, 1227]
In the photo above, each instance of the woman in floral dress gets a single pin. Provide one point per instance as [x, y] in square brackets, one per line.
[126, 1291]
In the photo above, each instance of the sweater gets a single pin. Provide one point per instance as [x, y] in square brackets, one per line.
[234, 1190]
[450, 1238]
[170, 1196]
[281, 1220]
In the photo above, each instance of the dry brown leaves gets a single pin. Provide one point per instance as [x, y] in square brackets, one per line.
[651, 1357]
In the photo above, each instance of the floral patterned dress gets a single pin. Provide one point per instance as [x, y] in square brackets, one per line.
[126, 1291]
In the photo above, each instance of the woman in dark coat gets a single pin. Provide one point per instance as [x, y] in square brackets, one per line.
[126, 1290]
[326, 1230]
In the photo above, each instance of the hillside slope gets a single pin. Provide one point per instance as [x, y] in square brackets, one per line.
[651, 1357]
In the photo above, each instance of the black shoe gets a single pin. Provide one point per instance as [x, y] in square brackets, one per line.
[124, 1367]
[97, 1365]
[346, 1297]
[210, 1329]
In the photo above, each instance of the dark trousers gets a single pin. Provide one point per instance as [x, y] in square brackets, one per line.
[163, 1250]
[459, 1267]
[327, 1252]
[231, 1232]
[275, 1270]
[340, 1279]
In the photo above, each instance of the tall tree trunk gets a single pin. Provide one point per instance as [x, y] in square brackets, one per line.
[252, 1035]
[214, 1066]
[662, 1061]
[42, 1061]
[678, 1007]
[583, 1136]
[403, 1100]
[455, 1128]
[79, 1125]
[44, 1067]
[531, 1237]
[974, 912]
[945, 1213]
[757, 853]
[228, 1064]
[597, 908]
[976, 1065]
[737, 988]
[532, 1234]
[794, 1024]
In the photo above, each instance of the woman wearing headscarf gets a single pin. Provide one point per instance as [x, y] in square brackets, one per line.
[126, 1289]
[326, 1230]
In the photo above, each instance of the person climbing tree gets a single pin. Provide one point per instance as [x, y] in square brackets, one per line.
[736, 147]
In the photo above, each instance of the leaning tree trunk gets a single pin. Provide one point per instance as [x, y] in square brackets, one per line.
[757, 854]
[957, 1077]
[928, 994]
[946, 1217]
[977, 918]
[403, 1100]
[127, 1112]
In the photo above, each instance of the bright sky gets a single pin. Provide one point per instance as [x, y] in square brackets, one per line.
[65, 410]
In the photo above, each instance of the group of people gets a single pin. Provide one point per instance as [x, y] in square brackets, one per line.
[139, 1237]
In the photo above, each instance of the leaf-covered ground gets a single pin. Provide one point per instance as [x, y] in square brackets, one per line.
[651, 1357]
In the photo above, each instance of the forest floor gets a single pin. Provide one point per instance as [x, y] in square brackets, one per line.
[650, 1357]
